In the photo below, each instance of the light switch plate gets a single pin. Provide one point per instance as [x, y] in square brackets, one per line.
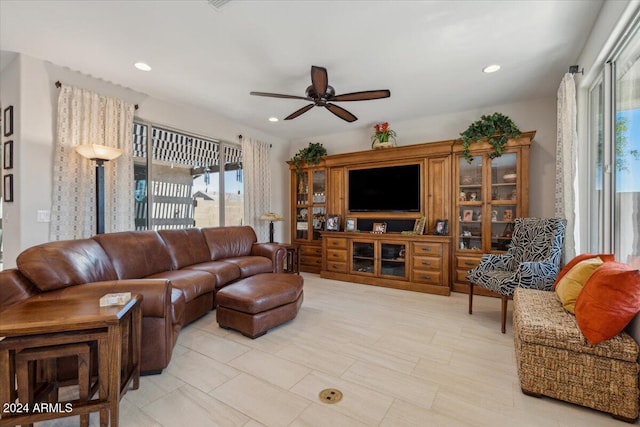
[43, 216]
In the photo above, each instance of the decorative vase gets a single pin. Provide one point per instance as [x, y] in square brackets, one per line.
[377, 145]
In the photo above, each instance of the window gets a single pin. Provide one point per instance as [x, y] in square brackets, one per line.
[185, 183]
[614, 168]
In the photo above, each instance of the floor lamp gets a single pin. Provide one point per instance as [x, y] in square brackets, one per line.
[271, 217]
[101, 154]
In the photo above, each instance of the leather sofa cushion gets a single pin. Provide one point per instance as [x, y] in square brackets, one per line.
[135, 254]
[192, 283]
[14, 287]
[56, 265]
[224, 272]
[228, 242]
[251, 265]
[260, 293]
[186, 246]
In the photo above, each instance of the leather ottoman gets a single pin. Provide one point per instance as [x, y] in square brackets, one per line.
[256, 304]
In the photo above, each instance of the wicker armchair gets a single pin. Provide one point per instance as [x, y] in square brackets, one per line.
[532, 261]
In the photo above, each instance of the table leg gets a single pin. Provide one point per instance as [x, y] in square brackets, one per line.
[103, 378]
[7, 377]
[114, 337]
[136, 335]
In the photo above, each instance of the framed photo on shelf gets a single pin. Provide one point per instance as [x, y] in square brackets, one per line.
[8, 155]
[350, 224]
[333, 223]
[379, 228]
[8, 188]
[418, 227]
[507, 215]
[467, 215]
[442, 227]
[7, 119]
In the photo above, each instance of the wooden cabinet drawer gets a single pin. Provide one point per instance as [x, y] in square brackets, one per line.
[311, 250]
[429, 249]
[336, 255]
[426, 263]
[424, 276]
[338, 267]
[310, 260]
[461, 276]
[336, 243]
[467, 263]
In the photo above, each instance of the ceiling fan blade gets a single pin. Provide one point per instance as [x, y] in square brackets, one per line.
[362, 96]
[341, 112]
[299, 112]
[279, 95]
[319, 80]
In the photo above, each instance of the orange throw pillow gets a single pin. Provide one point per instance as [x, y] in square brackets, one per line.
[608, 301]
[577, 259]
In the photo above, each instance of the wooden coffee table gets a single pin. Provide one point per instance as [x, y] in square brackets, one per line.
[35, 324]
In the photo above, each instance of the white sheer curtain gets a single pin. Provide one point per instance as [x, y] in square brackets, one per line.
[86, 117]
[257, 185]
[566, 146]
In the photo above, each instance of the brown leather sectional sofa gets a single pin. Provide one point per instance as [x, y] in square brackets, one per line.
[178, 272]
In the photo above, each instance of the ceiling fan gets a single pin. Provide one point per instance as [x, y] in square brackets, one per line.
[322, 95]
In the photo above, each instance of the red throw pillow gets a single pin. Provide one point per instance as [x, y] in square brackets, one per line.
[608, 302]
[577, 259]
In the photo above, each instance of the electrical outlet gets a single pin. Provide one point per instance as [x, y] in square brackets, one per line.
[43, 216]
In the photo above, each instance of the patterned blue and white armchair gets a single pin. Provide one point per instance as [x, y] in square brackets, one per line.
[532, 261]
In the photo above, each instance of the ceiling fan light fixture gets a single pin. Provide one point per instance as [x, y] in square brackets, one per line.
[142, 66]
[491, 68]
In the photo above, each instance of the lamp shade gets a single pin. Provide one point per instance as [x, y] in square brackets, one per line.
[270, 216]
[98, 152]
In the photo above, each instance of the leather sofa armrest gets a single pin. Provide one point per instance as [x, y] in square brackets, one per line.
[273, 251]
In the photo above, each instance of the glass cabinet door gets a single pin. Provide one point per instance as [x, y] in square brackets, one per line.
[302, 223]
[362, 257]
[470, 203]
[302, 188]
[504, 196]
[392, 257]
[318, 198]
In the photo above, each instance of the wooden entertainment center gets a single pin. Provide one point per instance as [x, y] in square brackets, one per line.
[477, 201]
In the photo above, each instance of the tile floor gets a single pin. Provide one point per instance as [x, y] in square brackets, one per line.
[400, 358]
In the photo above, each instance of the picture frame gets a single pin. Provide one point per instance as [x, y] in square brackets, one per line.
[8, 155]
[379, 228]
[350, 224]
[507, 215]
[418, 227]
[442, 227]
[7, 119]
[333, 223]
[467, 215]
[8, 188]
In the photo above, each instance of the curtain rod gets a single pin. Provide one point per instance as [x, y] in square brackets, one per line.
[59, 85]
[574, 69]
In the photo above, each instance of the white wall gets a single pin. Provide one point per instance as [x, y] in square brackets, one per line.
[28, 84]
[538, 115]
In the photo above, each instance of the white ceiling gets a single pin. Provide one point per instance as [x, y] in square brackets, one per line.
[428, 53]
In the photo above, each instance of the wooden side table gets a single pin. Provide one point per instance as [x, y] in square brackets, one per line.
[35, 324]
[292, 259]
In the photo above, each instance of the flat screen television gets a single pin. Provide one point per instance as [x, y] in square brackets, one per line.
[385, 189]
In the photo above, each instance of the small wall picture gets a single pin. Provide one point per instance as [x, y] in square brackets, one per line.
[8, 155]
[379, 228]
[8, 188]
[333, 223]
[7, 119]
[418, 227]
[467, 215]
[351, 224]
[442, 227]
[507, 215]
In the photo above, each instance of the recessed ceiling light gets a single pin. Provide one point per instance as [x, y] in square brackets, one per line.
[142, 66]
[491, 68]
[273, 119]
